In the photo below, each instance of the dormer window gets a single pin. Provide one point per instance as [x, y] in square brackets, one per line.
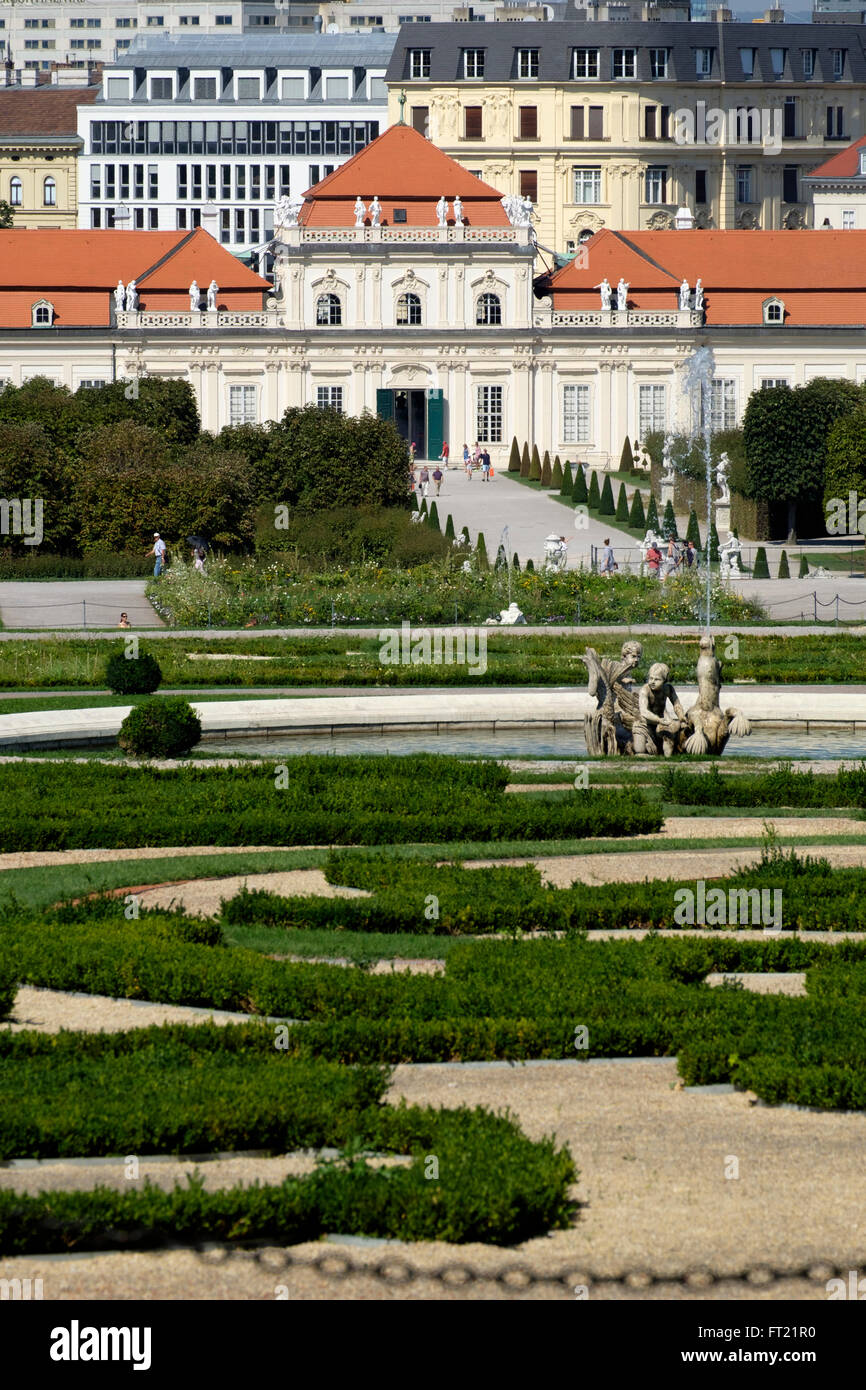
[774, 311]
[42, 314]
[862, 166]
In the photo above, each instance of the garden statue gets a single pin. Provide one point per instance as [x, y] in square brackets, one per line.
[699, 296]
[711, 726]
[645, 720]
[508, 617]
[622, 294]
[442, 212]
[213, 290]
[194, 296]
[556, 557]
[375, 213]
[684, 294]
[458, 212]
[668, 469]
[513, 205]
[119, 296]
[605, 293]
[131, 297]
[722, 480]
[360, 212]
[729, 556]
[525, 213]
[288, 210]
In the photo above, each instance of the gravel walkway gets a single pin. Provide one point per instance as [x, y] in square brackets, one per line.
[618, 867]
[49, 1010]
[202, 897]
[653, 1194]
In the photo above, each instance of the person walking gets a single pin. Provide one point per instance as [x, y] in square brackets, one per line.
[158, 552]
[691, 555]
[653, 560]
[198, 555]
[124, 621]
[608, 564]
[438, 475]
[465, 455]
[424, 480]
[485, 467]
[444, 455]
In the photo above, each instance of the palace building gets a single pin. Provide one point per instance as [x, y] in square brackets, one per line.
[404, 285]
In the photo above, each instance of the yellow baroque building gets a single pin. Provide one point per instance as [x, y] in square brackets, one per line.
[617, 125]
[39, 148]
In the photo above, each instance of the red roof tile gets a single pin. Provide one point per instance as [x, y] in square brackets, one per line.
[42, 110]
[402, 169]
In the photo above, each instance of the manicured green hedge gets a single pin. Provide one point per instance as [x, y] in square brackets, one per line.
[783, 786]
[8, 989]
[313, 800]
[494, 1185]
[446, 900]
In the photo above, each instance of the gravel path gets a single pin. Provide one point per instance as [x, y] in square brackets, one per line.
[606, 867]
[202, 897]
[652, 1189]
[49, 1010]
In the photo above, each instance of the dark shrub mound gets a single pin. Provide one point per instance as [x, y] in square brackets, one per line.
[160, 729]
[132, 675]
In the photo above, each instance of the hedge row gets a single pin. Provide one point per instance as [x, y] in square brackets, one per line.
[446, 900]
[493, 1185]
[310, 800]
[783, 786]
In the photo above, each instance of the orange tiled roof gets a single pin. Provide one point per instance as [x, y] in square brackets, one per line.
[403, 170]
[820, 275]
[28, 111]
[844, 165]
[78, 270]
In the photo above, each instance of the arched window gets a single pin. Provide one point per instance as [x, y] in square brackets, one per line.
[488, 310]
[43, 314]
[774, 311]
[49, 193]
[409, 309]
[15, 198]
[329, 310]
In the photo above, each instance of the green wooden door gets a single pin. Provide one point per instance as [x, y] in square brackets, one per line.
[385, 404]
[435, 423]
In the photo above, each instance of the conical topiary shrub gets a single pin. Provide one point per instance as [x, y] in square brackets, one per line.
[423, 509]
[524, 462]
[414, 507]
[481, 553]
[567, 481]
[669, 523]
[546, 470]
[804, 568]
[622, 505]
[714, 545]
[556, 475]
[535, 466]
[465, 537]
[637, 516]
[784, 572]
[693, 530]
[652, 515]
[594, 496]
[501, 561]
[433, 517]
[606, 506]
[515, 561]
[761, 569]
[514, 457]
[579, 491]
[626, 458]
[530, 566]
[449, 528]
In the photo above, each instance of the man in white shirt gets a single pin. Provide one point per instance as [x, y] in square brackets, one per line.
[158, 552]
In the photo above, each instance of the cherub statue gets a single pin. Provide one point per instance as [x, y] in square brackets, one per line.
[655, 731]
[711, 726]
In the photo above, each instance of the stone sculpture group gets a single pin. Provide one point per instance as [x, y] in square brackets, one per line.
[648, 720]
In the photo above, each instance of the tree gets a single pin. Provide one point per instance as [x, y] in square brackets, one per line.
[714, 545]
[693, 530]
[319, 459]
[556, 475]
[622, 512]
[546, 470]
[606, 505]
[786, 432]
[636, 517]
[594, 498]
[514, 457]
[530, 566]
[433, 517]
[846, 473]
[652, 516]
[567, 481]
[669, 524]
[481, 553]
[449, 528]
[524, 462]
[515, 561]
[33, 468]
[535, 466]
[7, 218]
[626, 458]
[784, 572]
[579, 493]
[804, 567]
[761, 568]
